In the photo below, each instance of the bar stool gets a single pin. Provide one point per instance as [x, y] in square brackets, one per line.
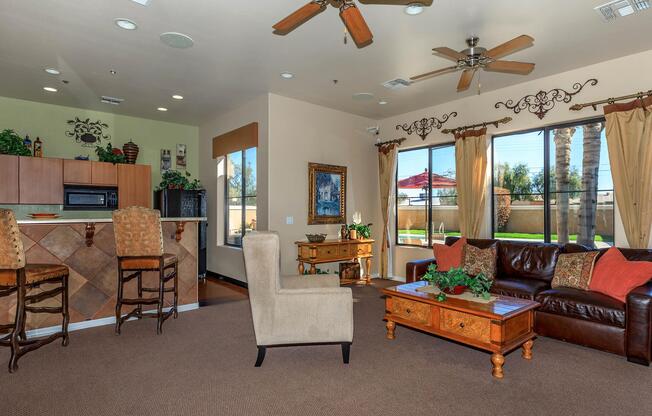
[16, 276]
[139, 247]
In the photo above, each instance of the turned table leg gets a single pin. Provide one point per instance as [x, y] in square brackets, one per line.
[527, 350]
[367, 270]
[313, 269]
[390, 329]
[497, 360]
[302, 268]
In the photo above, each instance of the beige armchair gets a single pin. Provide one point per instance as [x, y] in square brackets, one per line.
[295, 309]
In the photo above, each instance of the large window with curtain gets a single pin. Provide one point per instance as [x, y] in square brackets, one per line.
[554, 184]
[426, 196]
[240, 212]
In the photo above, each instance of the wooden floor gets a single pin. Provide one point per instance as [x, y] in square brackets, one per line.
[214, 291]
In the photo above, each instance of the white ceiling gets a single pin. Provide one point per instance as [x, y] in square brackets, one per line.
[236, 57]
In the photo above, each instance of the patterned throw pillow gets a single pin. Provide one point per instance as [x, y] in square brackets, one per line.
[574, 270]
[478, 260]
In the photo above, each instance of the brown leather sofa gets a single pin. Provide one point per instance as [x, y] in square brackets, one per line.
[525, 270]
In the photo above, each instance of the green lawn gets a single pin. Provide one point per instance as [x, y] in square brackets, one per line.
[508, 236]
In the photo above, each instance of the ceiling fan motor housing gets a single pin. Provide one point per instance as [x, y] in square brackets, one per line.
[475, 54]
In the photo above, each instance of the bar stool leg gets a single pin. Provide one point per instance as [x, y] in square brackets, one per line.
[64, 311]
[161, 292]
[118, 302]
[140, 294]
[176, 290]
[19, 326]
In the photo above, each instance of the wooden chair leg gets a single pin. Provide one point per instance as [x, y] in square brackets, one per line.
[140, 294]
[161, 293]
[64, 311]
[19, 326]
[118, 302]
[346, 351]
[176, 290]
[261, 356]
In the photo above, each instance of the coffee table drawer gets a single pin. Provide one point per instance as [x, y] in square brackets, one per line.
[410, 310]
[466, 325]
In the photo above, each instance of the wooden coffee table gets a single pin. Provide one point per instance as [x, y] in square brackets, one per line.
[499, 326]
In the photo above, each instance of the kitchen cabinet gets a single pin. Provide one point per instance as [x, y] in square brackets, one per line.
[40, 180]
[9, 173]
[134, 185]
[77, 172]
[104, 174]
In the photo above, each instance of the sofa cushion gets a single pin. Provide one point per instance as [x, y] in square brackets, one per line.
[519, 288]
[527, 260]
[477, 260]
[581, 304]
[574, 270]
[616, 276]
[449, 257]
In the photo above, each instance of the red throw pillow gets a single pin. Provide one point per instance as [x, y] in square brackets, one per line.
[616, 276]
[449, 257]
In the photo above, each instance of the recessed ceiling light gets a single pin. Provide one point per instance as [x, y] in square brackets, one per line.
[126, 24]
[142, 2]
[177, 97]
[363, 96]
[414, 9]
[162, 109]
[52, 71]
[113, 72]
[50, 89]
[287, 75]
[383, 102]
[177, 40]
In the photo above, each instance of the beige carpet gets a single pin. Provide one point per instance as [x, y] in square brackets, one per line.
[203, 365]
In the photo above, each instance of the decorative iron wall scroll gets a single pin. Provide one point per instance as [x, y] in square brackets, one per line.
[544, 101]
[425, 126]
[88, 133]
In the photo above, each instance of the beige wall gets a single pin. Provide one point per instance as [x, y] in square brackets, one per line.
[225, 260]
[302, 133]
[617, 77]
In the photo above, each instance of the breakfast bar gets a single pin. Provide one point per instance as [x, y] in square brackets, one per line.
[87, 247]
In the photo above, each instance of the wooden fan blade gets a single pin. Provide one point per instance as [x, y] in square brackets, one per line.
[507, 48]
[397, 2]
[449, 53]
[357, 26]
[510, 67]
[465, 80]
[432, 74]
[298, 18]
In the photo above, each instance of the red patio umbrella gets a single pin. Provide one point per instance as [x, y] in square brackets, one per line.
[420, 181]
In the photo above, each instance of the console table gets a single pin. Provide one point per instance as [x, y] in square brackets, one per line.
[333, 251]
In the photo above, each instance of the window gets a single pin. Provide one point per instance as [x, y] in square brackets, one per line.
[426, 205]
[554, 185]
[240, 209]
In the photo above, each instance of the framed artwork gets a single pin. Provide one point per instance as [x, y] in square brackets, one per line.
[181, 157]
[166, 160]
[327, 193]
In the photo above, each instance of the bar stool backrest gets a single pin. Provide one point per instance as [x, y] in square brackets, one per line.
[138, 232]
[12, 255]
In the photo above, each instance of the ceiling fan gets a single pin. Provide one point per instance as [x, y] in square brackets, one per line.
[473, 58]
[349, 12]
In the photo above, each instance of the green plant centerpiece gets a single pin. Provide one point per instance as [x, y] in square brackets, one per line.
[12, 144]
[454, 279]
[110, 154]
[173, 179]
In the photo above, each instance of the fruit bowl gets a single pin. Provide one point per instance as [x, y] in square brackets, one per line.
[316, 238]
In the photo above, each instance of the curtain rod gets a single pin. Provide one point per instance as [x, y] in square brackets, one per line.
[595, 104]
[395, 141]
[472, 126]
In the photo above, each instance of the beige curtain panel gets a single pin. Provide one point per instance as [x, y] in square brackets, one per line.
[471, 176]
[242, 138]
[629, 139]
[387, 172]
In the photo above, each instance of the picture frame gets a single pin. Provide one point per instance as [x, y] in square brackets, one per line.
[181, 156]
[327, 194]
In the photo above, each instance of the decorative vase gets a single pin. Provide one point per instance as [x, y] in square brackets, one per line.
[353, 234]
[457, 290]
[130, 150]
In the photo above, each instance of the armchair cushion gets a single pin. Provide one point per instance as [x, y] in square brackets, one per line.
[310, 281]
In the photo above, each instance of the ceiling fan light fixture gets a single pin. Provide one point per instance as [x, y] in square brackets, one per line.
[414, 9]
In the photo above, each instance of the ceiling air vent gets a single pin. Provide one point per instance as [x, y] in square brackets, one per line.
[111, 100]
[621, 8]
[396, 84]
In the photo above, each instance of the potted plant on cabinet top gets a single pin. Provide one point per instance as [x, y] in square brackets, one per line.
[12, 144]
[358, 229]
[173, 179]
[456, 281]
[110, 154]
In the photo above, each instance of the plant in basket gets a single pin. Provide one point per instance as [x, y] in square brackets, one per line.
[455, 282]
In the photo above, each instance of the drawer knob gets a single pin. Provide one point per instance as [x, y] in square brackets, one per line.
[408, 310]
[461, 324]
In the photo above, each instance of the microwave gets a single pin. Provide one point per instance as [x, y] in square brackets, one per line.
[90, 198]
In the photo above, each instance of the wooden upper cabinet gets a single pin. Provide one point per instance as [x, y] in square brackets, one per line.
[40, 180]
[104, 174]
[77, 172]
[134, 185]
[9, 179]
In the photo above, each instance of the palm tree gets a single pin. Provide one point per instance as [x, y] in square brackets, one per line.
[563, 138]
[589, 198]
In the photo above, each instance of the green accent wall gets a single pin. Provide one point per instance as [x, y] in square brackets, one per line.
[48, 122]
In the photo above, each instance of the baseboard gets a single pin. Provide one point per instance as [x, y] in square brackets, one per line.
[227, 279]
[77, 326]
